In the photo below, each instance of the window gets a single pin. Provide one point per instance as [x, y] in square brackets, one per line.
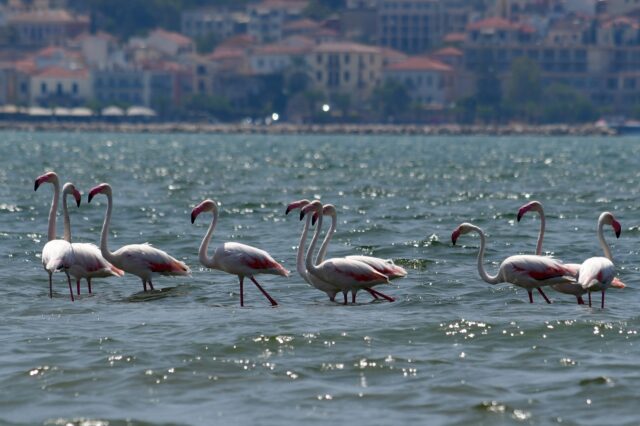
[346, 76]
[319, 75]
[43, 88]
[74, 88]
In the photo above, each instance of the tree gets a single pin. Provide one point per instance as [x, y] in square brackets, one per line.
[563, 104]
[206, 43]
[391, 98]
[523, 89]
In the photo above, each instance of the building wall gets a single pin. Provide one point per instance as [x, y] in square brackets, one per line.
[425, 87]
[60, 91]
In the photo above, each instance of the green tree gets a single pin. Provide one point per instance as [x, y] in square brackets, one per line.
[206, 43]
[391, 98]
[523, 89]
[563, 104]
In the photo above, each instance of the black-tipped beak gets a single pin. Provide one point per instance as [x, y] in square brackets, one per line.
[313, 219]
[301, 215]
[36, 185]
[287, 211]
[618, 232]
[90, 197]
[193, 217]
[519, 216]
[78, 202]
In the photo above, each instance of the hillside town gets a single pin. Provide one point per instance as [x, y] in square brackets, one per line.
[369, 61]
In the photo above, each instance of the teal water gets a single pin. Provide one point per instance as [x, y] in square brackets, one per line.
[450, 350]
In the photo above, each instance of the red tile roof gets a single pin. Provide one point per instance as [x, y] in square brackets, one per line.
[47, 16]
[302, 24]
[58, 72]
[345, 47]
[448, 51]
[420, 63]
[493, 23]
[173, 37]
[455, 37]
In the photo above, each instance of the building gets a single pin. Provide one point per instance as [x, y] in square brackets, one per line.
[170, 43]
[37, 28]
[222, 23]
[415, 26]
[62, 87]
[428, 81]
[345, 68]
[119, 87]
[268, 18]
[279, 57]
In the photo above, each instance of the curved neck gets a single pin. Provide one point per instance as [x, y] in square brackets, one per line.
[51, 233]
[309, 261]
[491, 279]
[204, 245]
[105, 230]
[302, 270]
[603, 242]
[541, 233]
[67, 222]
[327, 239]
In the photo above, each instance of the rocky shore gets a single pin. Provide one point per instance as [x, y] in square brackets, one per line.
[285, 128]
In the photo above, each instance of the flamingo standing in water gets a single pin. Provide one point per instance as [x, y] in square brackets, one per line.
[384, 266]
[235, 258]
[330, 289]
[346, 274]
[141, 260]
[88, 261]
[574, 289]
[56, 254]
[526, 271]
[598, 273]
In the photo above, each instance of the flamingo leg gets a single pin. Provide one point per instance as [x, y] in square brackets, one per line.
[50, 287]
[332, 298]
[144, 285]
[70, 287]
[530, 296]
[151, 285]
[89, 284]
[602, 306]
[353, 296]
[544, 295]
[273, 302]
[381, 294]
[580, 301]
[589, 298]
[372, 292]
[241, 291]
[78, 286]
[344, 293]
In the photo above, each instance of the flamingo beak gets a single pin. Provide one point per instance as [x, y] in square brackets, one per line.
[94, 191]
[289, 208]
[194, 214]
[77, 196]
[521, 213]
[38, 182]
[454, 236]
[301, 214]
[314, 218]
[617, 228]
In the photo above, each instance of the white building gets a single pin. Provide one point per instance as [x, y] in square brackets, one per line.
[428, 82]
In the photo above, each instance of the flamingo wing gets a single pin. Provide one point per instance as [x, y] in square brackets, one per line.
[384, 266]
[90, 263]
[57, 254]
[143, 260]
[348, 273]
[241, 259]
[596, 272]
[532, 271]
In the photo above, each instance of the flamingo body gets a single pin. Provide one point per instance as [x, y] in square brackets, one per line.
[57, 255]
[384, 266]
[530, 271]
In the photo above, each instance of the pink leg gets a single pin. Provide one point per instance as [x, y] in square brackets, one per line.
[89, 284]
[144, 284]
[70, 288]
[372, 292]
[544, 295]
[381, 294]
[530, 296]
[241, 291]
[580, 301]
[50, 287]
[151, 285]
[602, 306]
[344, 293]
[273, 302]
[78, 286]
[589, 299]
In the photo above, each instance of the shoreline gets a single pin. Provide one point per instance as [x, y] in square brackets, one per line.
[294, 129]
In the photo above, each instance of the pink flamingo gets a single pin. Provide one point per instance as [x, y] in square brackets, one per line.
[598, 273]
[88, 261]
[235, 258]
[574, 289]
[141, 260]
[384, 266]
[56, 254]
[526, 271]
[330, 289]
[346, 274]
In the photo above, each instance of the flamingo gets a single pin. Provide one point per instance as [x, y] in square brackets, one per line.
[574, 289]
[330, 289]
[88, 261]
[56, 254]
[526, 271]
[141, 260]
[346, 274]
[235, 258]
[384, 266]
[598, 273]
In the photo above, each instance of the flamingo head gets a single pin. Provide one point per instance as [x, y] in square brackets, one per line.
[314, 206]
[70, 188]
[327, 210]
[533, 205]
[463, 228]
[205, 206]
[51, 177]
[607, 218]
[296, 205]
[103, 188]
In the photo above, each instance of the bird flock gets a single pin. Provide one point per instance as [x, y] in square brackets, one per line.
[344, 275]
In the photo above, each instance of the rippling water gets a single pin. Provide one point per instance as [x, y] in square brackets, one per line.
[451, 350]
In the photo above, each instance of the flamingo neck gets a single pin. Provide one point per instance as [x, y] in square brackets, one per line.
[209, 262]
[51, 233]
[541, 233]
[603, 242]
[327, 239]
[67, 222]
[311, 268]
[105, 230]
[302, 270]
[491, 279]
